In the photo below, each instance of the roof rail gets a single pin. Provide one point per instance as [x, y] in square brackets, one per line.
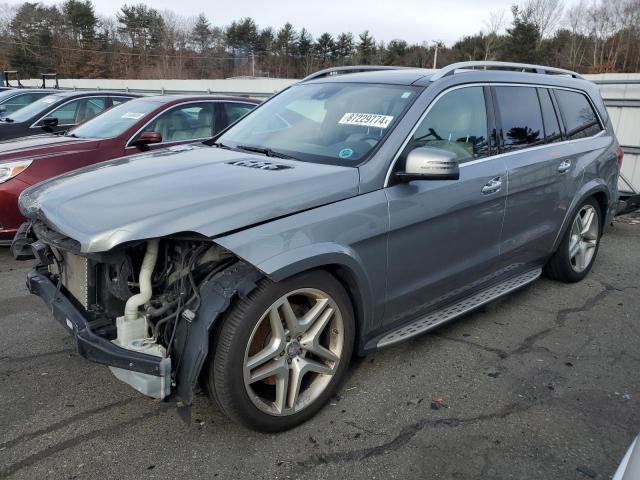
[490, 65]
[52, 76]
[329, 72]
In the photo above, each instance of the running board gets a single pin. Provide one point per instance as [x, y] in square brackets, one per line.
[457, 309]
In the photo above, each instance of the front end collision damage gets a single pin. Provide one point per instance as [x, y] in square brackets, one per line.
[147, 309]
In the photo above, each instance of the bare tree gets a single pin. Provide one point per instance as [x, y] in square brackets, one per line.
[545, 14]
[575, 21]
[493, 25]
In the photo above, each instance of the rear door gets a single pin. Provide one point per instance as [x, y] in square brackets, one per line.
[543, 171]
[444, 236]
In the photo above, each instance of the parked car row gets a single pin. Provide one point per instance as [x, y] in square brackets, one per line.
[67, 130]
[354, 210]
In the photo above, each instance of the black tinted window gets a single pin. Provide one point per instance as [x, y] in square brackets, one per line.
[235, 111]
[579, 118]
[551, 125]
[521, 117]
[456, 123]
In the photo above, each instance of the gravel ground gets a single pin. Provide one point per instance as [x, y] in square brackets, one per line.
[543, 384]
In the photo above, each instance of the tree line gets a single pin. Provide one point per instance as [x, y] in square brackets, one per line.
[142, 42]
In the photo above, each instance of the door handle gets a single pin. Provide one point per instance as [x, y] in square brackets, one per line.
[492, 186]
[564, 166]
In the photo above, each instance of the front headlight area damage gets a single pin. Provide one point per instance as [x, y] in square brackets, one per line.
[168, 276]
[158, 298]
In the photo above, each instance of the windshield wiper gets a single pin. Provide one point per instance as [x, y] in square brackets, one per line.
[8, 120]
[221, 145]
[269, 152]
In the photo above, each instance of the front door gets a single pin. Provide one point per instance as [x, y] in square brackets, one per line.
[444, 238]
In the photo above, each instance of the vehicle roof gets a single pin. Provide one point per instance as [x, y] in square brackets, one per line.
[168, 99]
[423, 77]
[29, 90]
[90, 93]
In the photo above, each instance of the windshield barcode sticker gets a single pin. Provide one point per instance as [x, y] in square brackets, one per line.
[366, 120]
[133, 115]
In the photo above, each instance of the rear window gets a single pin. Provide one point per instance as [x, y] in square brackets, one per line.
[580, 120]
[521, 117]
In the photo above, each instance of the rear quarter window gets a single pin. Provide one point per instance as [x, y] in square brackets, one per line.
[580, 120]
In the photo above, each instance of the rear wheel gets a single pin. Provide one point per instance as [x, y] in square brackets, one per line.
[577, 251]
[281, 353]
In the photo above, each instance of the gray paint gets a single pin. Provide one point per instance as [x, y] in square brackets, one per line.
[190, 188]
[407, 248]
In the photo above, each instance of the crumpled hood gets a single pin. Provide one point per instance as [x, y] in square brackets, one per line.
[192, 188]
[43, 146]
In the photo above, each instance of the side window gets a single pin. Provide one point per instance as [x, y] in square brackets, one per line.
[66, 114]
[580, 120]
[551, 124]
[521, 117]
[457, 122]
[77, 111]
[185, 122]
[235, 111]
[90, 107]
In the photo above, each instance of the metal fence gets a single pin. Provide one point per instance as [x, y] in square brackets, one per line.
[621, 94]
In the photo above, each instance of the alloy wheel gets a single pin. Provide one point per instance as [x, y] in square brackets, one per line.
[584, 238]
[293, 352]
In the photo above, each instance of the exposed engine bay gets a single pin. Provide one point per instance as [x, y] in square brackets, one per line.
[138, 295]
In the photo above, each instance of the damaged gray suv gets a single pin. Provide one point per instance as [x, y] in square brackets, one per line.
[356, 209]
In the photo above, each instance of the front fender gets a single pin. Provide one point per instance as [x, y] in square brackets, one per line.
[322, 255]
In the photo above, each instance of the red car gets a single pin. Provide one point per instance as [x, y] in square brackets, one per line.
[138, 125]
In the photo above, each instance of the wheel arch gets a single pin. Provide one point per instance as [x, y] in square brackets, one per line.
[342, 263]
[600, 192]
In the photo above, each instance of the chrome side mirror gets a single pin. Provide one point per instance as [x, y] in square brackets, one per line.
[425, 163]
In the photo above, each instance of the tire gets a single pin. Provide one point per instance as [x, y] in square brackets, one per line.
[567, 266]
[239, 377]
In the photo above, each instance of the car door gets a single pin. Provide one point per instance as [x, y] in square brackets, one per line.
[542, 172]
[185, 123]
[444, 236]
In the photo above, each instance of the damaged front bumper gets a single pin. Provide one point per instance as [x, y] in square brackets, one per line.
[149, 374]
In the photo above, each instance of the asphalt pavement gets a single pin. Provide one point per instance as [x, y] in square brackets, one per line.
[543, 384]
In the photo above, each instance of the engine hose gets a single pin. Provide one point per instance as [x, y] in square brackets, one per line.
[144, 279]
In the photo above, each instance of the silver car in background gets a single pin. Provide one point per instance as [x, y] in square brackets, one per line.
[356, 209]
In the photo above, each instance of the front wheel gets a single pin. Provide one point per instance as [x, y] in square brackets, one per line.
[281, 353]
[577, 251]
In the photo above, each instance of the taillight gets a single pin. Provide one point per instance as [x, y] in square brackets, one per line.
[620, 156]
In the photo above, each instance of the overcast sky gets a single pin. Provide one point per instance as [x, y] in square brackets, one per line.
[413, 20]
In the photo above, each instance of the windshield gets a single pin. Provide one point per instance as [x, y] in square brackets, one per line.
[335, 123]
[34, 108]
[115, 121]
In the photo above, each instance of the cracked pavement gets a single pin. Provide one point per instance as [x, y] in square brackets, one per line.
[542, 384]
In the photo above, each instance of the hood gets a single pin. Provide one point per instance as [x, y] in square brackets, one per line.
[42, 146]
[192, 188]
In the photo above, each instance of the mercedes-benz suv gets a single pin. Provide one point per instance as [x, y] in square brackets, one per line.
[358, 208]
